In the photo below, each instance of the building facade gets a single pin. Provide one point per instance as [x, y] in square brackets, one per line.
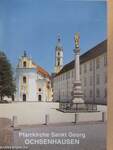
[93, 77]
[33, 83]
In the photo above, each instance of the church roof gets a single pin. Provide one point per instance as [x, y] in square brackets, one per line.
[42, 71]
[90, 54]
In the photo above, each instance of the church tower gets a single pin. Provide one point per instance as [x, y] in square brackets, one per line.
[58, 55]
[26, 77]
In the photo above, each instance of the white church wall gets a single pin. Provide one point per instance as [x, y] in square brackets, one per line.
[32, 86]
[29, 88]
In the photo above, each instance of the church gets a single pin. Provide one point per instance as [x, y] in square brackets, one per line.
[93, 75]
[33, 83]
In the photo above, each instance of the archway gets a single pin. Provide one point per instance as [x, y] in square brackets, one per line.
[39, 98]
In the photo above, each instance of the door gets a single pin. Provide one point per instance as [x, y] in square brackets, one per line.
[24, 97]
[39, 98]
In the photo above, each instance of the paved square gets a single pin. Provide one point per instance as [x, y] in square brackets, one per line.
[95, 136]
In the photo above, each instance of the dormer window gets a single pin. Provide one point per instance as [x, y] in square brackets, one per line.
[24, 64]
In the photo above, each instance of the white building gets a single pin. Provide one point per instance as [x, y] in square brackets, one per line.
[33, 83]
[93, 77]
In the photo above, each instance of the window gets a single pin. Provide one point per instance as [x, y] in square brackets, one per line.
[72, 74]
[48, 85]
[24, 64]
[91, 65]
[105, 60]
[85, 68]
[58, 53]
[85, 81]
[90, 80]
[97, 93]
[105, 93]
[39, 89]
[90, 93]
[24, 79]
[97, 79]
[105, 78]
[97, 62]
[84, 93]
[68, 75]
[62, 76]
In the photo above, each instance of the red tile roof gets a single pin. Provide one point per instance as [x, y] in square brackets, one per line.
[42, 71]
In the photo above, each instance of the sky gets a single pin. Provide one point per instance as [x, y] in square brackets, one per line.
[33, 25]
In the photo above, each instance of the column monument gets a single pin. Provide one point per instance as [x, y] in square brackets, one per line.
[77, 89]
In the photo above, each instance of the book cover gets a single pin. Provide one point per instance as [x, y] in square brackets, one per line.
[53, 74]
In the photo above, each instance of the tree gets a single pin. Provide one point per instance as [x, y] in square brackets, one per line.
[7, 86]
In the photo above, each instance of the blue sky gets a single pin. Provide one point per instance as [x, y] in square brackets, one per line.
[33, 25]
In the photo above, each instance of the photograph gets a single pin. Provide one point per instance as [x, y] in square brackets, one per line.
[56, 75]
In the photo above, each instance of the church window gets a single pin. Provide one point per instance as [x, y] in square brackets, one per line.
[24, 64]
[39, 89]
[39, 98]
[58, 53]
[24, 79]
[58, 63]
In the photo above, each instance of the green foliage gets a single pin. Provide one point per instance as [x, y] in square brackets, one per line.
[7, 86]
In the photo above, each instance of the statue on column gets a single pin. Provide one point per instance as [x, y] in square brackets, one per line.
[77, 40]
[77, 86]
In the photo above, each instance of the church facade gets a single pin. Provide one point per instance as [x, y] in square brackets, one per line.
[33, 83]
[93, 74]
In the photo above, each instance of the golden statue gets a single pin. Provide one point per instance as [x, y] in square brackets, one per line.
[77, 40]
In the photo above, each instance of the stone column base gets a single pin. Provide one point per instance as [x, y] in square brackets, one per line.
[78, 100]
[77, 93]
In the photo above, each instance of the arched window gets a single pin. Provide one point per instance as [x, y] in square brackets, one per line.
[24, 79]
[24, 64]
[24, 97]
[39, 89]
[39, 98]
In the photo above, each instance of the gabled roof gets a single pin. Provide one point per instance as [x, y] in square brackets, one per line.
[90, 54]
